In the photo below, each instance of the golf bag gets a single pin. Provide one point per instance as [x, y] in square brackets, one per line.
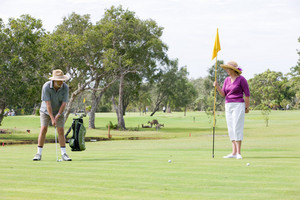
[77, 141]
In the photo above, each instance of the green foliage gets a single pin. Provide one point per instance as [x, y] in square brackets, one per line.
[284, 103]
[221, 73]
[88, 108]
[265, 111]
[112, 126]
[294, 83]
[134, 46]
[269, 88]
[37, 112]
[104, 108]
[118, 45]
[173, 87]
[21, 63]
[184, 93]
[205, 89]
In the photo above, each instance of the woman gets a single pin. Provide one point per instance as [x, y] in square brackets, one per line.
[234, 89]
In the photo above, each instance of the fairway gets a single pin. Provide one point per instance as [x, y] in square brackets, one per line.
[139, 169]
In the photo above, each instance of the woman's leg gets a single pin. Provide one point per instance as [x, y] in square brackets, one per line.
[234, 147]
[238, 146]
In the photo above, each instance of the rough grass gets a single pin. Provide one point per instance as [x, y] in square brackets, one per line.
[139, 169]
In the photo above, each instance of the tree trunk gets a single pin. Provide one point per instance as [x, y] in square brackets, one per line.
[95, 104]
[2, 108]
[125, 104]
[72, 99]
[35, 108]
[168, 108]
[95, 101]
[114, 103]
[156, 108]
[185, 111]
[124, 109]
[121, 122]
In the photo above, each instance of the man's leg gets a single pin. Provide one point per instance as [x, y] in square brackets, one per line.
[41, 141]
[61, 136]
[42, 136]
[62, 142]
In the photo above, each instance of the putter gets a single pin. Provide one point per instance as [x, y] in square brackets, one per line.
[58, 160]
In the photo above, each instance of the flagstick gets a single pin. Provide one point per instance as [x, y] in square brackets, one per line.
[214, 126]
[217, 48]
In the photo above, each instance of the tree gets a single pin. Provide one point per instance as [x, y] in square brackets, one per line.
[135, 45]
[164, 86]
[184, 93]
[144, 97]
[65, 49]
[269, 88]
[102, 66]
[221, 73]
[294, 83]
[131, 91]
[21, 64]
[76, 46]
[205, 90]
[221, 76]
[132, 87]
[199, 103]
[265, 111]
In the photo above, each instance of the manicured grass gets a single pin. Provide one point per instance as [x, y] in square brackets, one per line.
[139, 169]
[175, 125]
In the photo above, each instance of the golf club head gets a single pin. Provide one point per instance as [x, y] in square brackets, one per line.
[59, 160]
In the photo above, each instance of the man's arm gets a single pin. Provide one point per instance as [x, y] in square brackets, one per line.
[61, 110]
[49, 109]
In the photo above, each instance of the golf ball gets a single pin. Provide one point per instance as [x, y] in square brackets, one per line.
[169, 161]
[59, 160]
[248, 164]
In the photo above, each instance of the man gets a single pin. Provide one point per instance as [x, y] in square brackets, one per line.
[55, 95]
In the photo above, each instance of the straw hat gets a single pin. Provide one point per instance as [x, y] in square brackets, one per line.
[232, 65]
[58, 75]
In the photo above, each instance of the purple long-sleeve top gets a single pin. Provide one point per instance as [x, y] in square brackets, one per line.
[234, 92]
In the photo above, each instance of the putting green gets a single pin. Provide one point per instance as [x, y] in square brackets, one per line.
[139, 169]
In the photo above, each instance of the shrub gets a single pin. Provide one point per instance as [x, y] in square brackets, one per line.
[112, 126]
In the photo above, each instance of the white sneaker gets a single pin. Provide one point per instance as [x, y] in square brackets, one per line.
[65, 157]
[230, 156]
[239, 156]
[37, 157]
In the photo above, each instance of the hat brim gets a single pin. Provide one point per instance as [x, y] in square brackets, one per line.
[231, 67]
[61, 78]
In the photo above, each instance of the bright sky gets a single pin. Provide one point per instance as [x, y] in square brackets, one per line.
[257, 34]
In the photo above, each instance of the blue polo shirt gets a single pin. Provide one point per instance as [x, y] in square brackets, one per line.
[55, 97]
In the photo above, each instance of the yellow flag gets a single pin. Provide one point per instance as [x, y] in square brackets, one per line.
[83, 100]
[217, 46]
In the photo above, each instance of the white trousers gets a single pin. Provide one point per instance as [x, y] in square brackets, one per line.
[235, 117]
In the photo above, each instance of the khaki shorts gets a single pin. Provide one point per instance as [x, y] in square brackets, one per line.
[45, 120]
